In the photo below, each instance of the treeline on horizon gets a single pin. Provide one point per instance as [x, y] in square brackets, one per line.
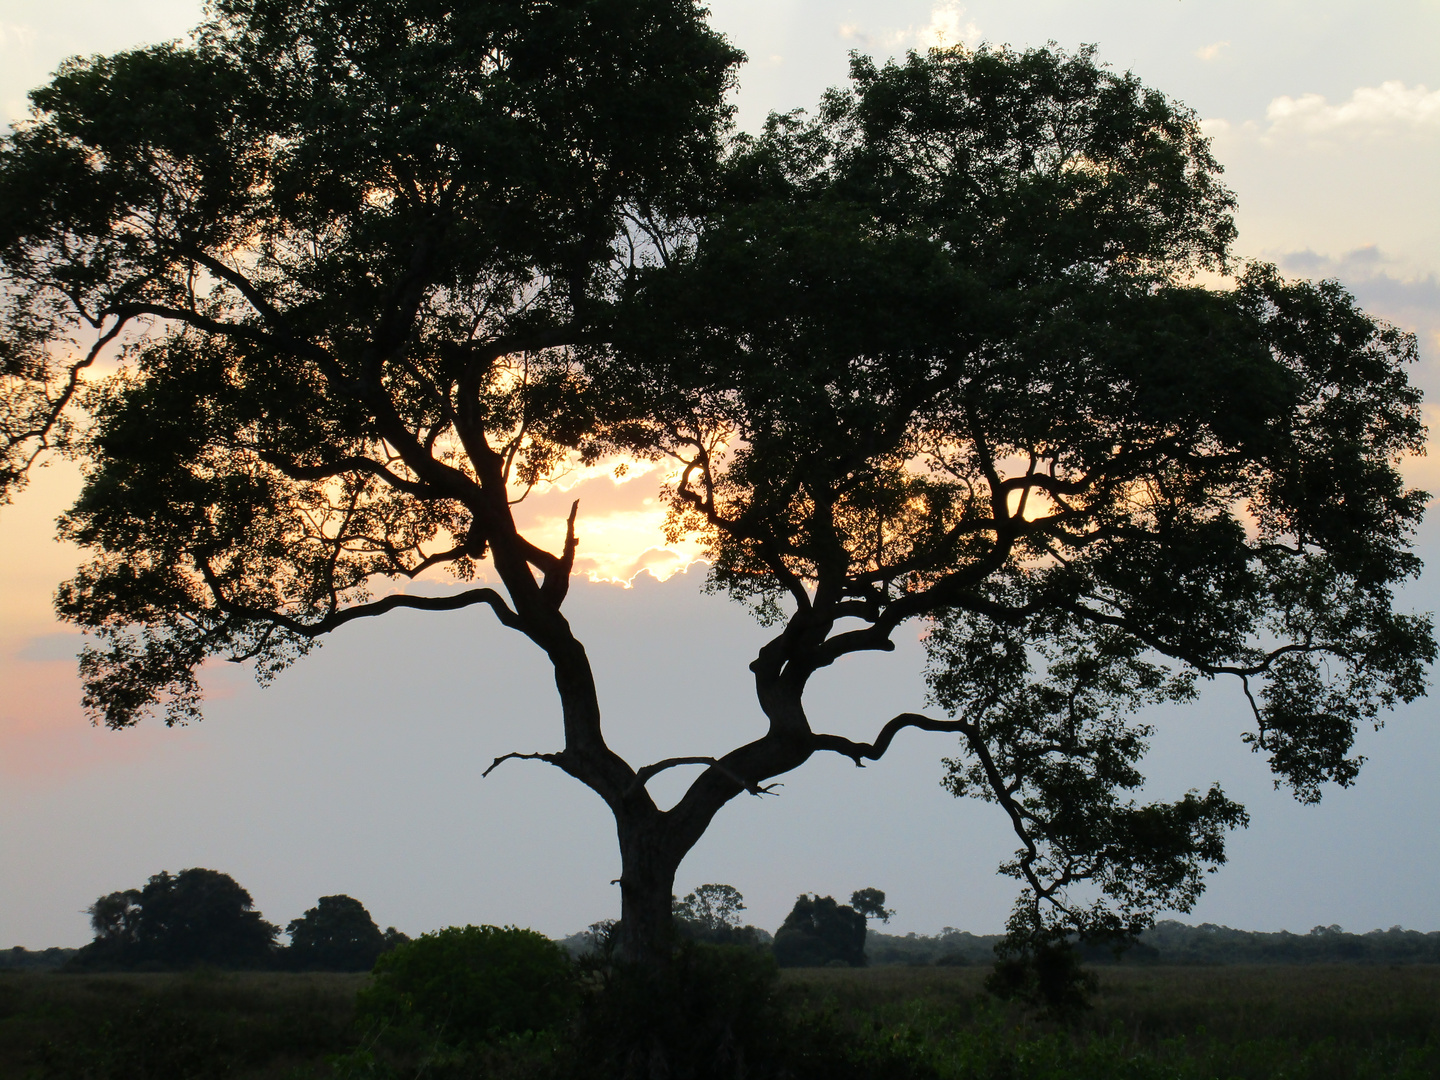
[1171, 942]
[203, 917]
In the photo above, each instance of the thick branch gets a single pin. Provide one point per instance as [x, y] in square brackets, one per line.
[312, 473]
[643, 776]
[874, 751]
[339, 618]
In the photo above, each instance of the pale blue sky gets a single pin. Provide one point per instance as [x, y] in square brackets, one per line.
[359, 771]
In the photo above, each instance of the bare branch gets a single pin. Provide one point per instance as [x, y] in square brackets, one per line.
[45, 423]
[338, 618]
[874, 751]
[644, 775]
[552, 759]
[311, 473]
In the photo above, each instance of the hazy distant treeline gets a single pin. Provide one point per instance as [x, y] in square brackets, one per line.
[1175, 943]
[1172, 942]
[1169, 943]
[18, 959]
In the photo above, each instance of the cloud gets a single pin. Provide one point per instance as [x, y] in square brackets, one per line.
[1410, 302]
[620, 525]
[13, 35]
[1368, 272]
[1390, 108]
[1211, 51]
[947, 26]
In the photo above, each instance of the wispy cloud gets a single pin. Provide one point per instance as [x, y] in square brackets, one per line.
[1211, 51]
[1391, 107]
[947, 26]
[1409, 300]
[15, 36]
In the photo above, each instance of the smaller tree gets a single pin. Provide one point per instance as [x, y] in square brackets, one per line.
[337, 934]
[197, 916]
[711, 914]
[818, 932]
[871, 904]
[713, 907]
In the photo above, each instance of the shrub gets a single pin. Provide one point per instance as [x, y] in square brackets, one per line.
[1044, 974]
[710, 1013]
[468, 985]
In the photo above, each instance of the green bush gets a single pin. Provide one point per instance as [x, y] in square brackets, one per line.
[468, 985]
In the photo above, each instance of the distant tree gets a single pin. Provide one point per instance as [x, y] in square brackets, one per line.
[712, 906]
[115, 917]
[818, 932]
[394, 938]
[711, 914]
[197, 916]
[871, 904]
[337, 934]
[941, 352]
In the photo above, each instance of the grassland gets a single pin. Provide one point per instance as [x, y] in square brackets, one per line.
[1226, 1023]
[1306, 1023]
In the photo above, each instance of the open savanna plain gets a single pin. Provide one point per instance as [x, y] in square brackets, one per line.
[1312, 1021]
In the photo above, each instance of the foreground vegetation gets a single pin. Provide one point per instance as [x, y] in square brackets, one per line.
[1163, 1022]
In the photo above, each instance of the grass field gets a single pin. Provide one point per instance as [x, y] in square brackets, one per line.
[1313, 1021]
[1193, 1022]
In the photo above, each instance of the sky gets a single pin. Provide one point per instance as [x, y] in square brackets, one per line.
[358, 771]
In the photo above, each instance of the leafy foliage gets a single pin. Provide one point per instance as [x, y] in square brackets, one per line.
[939, 352]
[818, 932]
[871, 904]
[713, 907]
[341, 223]
[467, 985]
[944, 356]
[711, 914]
[337, 934]
[195, 917]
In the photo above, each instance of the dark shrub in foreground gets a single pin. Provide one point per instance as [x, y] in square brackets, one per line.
[711, 1013]
[1043, 973]
[468, 985]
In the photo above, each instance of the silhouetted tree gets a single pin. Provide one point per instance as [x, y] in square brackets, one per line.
[871, 904]
[197, 916]
[818, 932]
[337, 934]
[712, 906]
[711, 914]
[939, 352]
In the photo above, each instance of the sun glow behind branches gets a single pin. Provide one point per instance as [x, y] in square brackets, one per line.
[620, 525]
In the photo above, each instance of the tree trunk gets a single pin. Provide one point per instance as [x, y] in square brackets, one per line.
[647, 885]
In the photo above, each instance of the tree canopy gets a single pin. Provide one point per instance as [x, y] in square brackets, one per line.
[942, 351]
[197, 916]
[818, 932]
[337, 934]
